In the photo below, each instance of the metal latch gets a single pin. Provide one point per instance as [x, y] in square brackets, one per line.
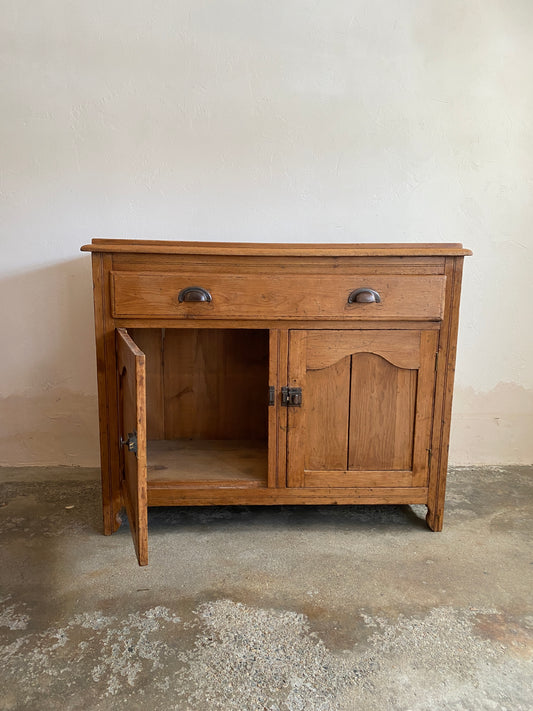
[291, 397]
[131, 442]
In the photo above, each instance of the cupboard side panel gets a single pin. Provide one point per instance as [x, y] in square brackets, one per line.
[444, 394]
[107, 393]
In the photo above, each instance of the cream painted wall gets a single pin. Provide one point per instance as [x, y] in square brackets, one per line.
[247, 120]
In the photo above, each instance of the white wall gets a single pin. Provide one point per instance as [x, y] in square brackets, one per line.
[278, 121]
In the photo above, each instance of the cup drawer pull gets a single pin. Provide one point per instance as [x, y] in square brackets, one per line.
[194, 293]
[364, 296]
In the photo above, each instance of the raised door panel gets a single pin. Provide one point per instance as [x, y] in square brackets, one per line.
[366, 411]
[382, 409]
[132, 423]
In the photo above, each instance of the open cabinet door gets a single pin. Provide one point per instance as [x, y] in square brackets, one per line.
[132, 427]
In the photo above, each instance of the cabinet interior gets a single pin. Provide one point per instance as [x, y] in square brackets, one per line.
[206, 405]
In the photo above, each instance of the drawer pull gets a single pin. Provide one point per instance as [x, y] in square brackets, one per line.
[194, 293]
[364, 296]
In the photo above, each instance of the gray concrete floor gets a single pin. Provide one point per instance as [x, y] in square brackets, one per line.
[296, 608]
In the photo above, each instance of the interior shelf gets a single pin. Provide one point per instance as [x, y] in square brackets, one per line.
[187, 462]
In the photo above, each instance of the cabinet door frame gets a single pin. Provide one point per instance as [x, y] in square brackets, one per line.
[131, 375]
[418, 475]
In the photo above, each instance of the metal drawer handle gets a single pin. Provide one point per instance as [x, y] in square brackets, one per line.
[364, 296]
[194, 293]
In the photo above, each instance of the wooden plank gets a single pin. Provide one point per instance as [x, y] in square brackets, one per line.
[214, 462]
[443, 396]
[277, 415]
[326, 405]
[327, 347]
[283, 415]
[273, 416]
[382, 415]
[109, 521]
[358, 479]
[105, 328]
[216, 384]
[150, 342]
[296, 419]
[424, 407]
[132, 397]
[301, 324]
[266, 249]
[170, 495]
[273, 264]
[282, 296]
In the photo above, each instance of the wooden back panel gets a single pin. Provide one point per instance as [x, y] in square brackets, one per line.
[206, 383]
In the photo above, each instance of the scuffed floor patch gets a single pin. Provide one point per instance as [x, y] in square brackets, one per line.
[248, 658]
[237, 657]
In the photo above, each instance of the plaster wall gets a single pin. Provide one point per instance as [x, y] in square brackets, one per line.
[244, 120]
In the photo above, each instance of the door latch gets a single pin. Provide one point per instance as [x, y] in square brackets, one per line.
[291, 397]
[131, 442]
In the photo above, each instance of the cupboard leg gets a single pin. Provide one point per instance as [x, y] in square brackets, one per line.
[434, 518]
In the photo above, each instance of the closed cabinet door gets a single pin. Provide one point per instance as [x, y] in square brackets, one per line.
[366, 408]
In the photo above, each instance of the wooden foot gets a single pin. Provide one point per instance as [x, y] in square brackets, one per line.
[434, 519]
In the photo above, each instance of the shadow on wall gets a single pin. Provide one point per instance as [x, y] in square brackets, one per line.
[48, 405]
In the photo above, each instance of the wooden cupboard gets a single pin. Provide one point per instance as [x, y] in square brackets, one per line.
[272, 374]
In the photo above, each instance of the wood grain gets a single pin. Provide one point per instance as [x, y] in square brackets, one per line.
[425, 402]
[169, 495]
[132, 398]
[382, 414]
[214, 462]
[297, 440]
[216, 384]
[361, 413]
[325, 347]
[357, 479]
[266, 249]
[277, 415]
[150, 342]
[281, 296]
[254, 264]
[326, 416]
[112, 502]
[267, 324]
[444, 396]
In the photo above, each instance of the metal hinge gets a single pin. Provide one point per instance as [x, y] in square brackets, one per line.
[131, 442]
[429, 457]
[271, 396]
[291, 397]
[437, 361]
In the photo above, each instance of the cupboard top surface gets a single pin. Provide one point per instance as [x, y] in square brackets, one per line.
[422, 249]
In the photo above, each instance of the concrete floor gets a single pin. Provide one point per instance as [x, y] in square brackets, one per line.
[296, 608]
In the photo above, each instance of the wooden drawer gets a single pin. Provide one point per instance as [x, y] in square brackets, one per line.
[277, 296]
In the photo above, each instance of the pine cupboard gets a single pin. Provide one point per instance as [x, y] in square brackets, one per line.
[233, 373]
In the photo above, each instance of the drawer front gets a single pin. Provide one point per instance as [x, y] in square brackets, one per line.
[277, 296]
